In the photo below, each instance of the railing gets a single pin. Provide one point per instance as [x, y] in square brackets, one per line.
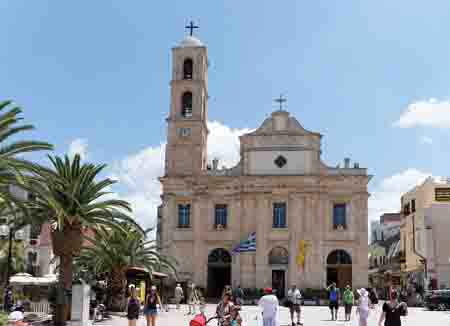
[40, 308]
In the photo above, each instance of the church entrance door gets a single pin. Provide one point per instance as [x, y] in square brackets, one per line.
[339, 268]
[219, 272]
[279, 282]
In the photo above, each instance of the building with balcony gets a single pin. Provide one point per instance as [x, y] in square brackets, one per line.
[424, 234]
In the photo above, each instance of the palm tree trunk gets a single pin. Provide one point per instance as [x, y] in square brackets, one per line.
[118, 283]
[64, 288]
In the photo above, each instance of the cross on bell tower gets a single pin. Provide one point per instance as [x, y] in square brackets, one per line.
[280, 101]
[191, 28]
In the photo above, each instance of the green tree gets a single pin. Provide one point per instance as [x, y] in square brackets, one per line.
[18, 262]
[113, 252]
[13, 167]
[69, 195]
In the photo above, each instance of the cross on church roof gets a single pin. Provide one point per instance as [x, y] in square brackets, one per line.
[280, 101]
[191, 27]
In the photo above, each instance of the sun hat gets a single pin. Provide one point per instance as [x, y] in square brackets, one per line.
[268, 290]
[363, 292]
[131, 286]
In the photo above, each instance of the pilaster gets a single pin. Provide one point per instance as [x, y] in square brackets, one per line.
[261, 241]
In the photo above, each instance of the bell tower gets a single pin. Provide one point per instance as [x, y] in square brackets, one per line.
[187, 130]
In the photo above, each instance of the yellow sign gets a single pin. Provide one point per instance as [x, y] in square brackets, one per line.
[302, 251]
[142, 291]
[442, 194]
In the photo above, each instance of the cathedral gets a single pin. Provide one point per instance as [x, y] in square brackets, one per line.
[281, 216]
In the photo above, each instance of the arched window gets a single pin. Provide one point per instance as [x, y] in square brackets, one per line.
[219, 256]
[339, 257]
[186, 105]
[188, 68]
[278, 256]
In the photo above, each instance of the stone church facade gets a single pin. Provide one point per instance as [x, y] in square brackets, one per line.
[310, 219]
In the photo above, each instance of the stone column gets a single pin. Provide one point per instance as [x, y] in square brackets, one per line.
[261, 242]
[169, 223]
[296, 217]
[235, 227]
[314, 213]
[248, 225]
[199, 225]
[324, 219]
[362, 266]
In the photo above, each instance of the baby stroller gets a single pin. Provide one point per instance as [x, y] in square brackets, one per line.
[200, 320]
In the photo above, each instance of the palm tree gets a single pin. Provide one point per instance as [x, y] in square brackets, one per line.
[69, 196]
[17, 263]
[114, 251]
[13, 167]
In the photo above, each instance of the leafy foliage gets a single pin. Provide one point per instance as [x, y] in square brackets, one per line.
[112, 251]
[69, 194]
[13, 167]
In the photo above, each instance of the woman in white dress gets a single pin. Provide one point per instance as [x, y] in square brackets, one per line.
[363, 306]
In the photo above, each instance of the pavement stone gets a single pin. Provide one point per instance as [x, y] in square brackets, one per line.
[311, 316]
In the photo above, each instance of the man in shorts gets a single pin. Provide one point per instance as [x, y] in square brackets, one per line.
[295, 299]
[333, 296]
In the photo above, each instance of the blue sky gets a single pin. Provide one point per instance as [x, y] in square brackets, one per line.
[372, 76]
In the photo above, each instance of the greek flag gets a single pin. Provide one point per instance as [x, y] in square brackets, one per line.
[248, 245]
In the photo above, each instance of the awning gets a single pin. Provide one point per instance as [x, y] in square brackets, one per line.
[143, 273]
[27, 279]
[159, 275]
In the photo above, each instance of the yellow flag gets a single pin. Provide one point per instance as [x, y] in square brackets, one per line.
[302, 251]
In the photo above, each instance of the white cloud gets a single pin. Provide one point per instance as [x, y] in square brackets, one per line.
[386, 195]
[79, 146]
[137, 174]
[223, 143]
[428, 113]
[425, 140]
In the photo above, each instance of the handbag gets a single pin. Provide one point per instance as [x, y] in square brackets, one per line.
[288, 303]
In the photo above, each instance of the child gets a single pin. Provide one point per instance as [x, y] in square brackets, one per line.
[235, 318]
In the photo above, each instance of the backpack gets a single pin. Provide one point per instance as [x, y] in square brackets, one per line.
[333, 295]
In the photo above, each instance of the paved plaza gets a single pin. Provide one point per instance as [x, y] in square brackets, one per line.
[313, 316]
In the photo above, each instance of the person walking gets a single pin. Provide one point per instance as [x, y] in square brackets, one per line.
[333, 297]
[270, 307]
[8, 300]
[223, 309]
[238, 295]
[363, 306]
[349, 301]
[133, 307]
[193, 300]
[151, 306]
[294, 298]
[179, 295]
[393, 311]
